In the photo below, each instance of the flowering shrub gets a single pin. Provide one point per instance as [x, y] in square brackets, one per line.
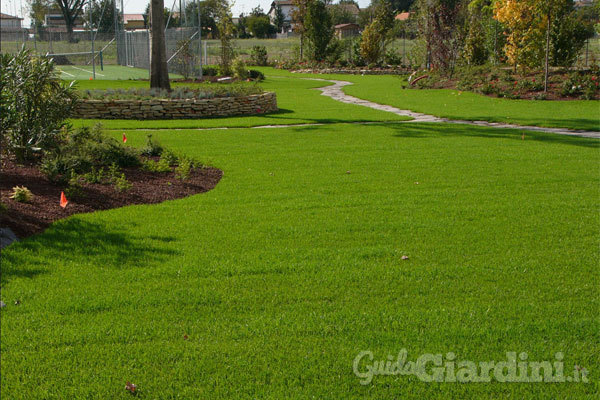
[583, 85]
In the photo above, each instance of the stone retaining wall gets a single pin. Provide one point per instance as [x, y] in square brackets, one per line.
[176, 108]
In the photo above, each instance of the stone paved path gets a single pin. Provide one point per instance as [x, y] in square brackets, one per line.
[335, 92]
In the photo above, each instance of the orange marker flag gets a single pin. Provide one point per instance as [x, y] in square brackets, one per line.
[124, 138]
[63, 200]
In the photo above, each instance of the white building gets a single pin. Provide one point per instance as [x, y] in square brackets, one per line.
[287, 7]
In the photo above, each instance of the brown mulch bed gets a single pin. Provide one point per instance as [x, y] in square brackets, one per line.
[26, 219]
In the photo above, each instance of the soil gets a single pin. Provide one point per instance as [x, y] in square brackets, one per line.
[510, 88]
[26, 219]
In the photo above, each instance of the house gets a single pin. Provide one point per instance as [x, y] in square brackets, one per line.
[343, 31]
[287, 7]
[134, 21]
[402, 16]
[9, 23]
[55, 21]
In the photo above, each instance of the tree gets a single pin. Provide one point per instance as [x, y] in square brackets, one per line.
[159, 73]
[441, 27]
[298, 16]
[260, 26]
[375, 35]
[279, 19]
[71, 10]
[208, 13]
[37, 12]
[103, 15]
[174, 22]
[226, 30]
[341, 15]
[318, 29]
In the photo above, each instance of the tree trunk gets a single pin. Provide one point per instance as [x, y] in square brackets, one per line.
[159, 74]
[69, 26]
[546, 71]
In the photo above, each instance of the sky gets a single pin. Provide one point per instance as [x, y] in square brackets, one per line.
[14, 7]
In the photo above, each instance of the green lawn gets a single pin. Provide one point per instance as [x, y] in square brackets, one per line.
[293, 264]
[577, 114]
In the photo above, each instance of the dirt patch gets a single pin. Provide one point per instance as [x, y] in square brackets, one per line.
[26, 219]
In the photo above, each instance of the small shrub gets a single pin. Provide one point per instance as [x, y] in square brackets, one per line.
[35, 104]
[75, 188]
[209, 71]
[122, 184]
[152, 148]
[3, 208]
[259, 56]
[161, 166]
[113, 172]
[21, 194]
[170, 157]
[256, 75]
[94, 176]
[184, 168]
[240, 70]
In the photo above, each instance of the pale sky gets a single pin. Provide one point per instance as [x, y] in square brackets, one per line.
[20, 8]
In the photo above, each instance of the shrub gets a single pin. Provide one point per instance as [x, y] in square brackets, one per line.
[169, 157]
[185, 59]
[122, 184]
[183, 169]
[80, 150]
[157, 166]
[75, 188]
[34, 104]
[259, 56]
[152, 148]
[240, 70]
[95, 176]
[206, 92]
[209, 71]
[3, 208]
[256, 75]
[21, 194]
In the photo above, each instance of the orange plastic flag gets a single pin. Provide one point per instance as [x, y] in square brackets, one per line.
[63, 200]
[124, 138]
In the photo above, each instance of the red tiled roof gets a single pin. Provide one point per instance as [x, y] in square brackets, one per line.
[402, 16]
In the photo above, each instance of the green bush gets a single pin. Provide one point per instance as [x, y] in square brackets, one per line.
[240, 70]
[258, 56]
[183, 169]
[122, 184]
[256, 75]
[34, 104]
[152, 148]
[21, 194]
[78, 151]
[161, 166]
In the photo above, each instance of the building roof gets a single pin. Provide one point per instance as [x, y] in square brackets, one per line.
[133, 17]
[6, 16]
[282, 3]
[402, 16]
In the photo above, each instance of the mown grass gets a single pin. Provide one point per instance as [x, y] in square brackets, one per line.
[298, 100]
[292, 265]
[453, 104]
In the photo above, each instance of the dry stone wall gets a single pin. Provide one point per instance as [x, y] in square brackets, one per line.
[176, 108]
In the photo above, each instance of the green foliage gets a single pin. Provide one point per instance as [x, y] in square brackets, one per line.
[95, 175]
[161, 166]
[122, 184]
[169, 157]
[226, 29]
[152, 148]
[256, 75]
[3, 208]
[258, 56]
[375, 35]
[74, 189]
[185, 60]
[240, 70]
[318, 29]
[584, 85]
[78, 151]
[21, 194]
[184, 169]
[207, 91]
[34, 104]
[260, 26]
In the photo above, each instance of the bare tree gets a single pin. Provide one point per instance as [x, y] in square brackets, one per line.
[159, 74]
[71, 9]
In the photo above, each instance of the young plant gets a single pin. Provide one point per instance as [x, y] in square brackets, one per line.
[122, 184]
[153, 148]
[21, 194]
[184, 168]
